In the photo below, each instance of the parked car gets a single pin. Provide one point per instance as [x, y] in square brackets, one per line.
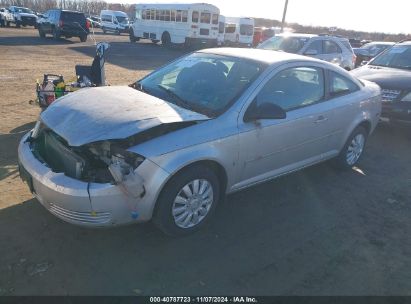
[114, 21]
[370, 50]
[391, 70]
[94, 21]
[23, 16]
[210, 123]
[65, 23]
[5, 17]
[333, 49]
[261, 34]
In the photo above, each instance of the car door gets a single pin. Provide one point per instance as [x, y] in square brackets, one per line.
[314, 48]
[270, 147]
[344, 100]
[332, 52]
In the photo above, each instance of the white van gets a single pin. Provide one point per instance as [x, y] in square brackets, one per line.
[221, 30]
[239, 31]
[114, 21]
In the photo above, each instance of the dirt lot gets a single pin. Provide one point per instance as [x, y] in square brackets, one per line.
[316, 232]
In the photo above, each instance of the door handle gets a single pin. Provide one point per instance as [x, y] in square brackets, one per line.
[321, 119]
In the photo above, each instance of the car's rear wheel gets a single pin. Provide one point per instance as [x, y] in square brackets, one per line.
[83, 38]
[187, 201]
[103, 29]
[166, 39]
[353, 148]
[18, 24]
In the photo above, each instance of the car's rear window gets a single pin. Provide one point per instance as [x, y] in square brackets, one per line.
[73, 17]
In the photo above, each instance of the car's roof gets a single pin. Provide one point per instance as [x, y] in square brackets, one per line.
[380, 42]
[297, 35]
[264, 56]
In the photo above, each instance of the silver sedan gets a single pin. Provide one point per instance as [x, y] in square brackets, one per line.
[170, 146]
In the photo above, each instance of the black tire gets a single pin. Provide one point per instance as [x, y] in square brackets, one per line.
[163, 217]
[155, 41]
[342, 159]
[166, 39]
[8, 23]
[83, 38]
[56, 34]
[118, 32]
[133, 38]
[2, 23]
[103, 29]
[18, 24]
[42, 34]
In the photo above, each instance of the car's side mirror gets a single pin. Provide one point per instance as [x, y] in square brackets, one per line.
[266, 110]
[311, 52]
[364, 62]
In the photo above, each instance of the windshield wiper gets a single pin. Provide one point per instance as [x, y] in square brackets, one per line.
[180, 101]
[185, 104]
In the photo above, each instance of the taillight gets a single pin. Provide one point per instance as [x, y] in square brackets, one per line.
[61, 23]
[88, 24]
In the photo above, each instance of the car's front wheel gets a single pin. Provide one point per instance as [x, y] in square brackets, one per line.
[83, 38]
[187, 201]
[353, 148]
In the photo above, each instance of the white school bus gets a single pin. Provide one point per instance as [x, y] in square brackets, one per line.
[184, 24]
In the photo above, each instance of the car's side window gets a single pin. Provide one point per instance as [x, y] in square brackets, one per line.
[316, 46]
[330, 47]
[294, 88]
[340, 85]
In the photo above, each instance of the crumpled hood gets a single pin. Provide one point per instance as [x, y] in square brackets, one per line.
[385, 77]
[95, 114]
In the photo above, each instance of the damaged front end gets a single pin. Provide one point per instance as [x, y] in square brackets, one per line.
[102, 162]
[106, 161]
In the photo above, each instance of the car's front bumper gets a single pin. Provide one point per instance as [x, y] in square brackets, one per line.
[396, 112]
[89, 204]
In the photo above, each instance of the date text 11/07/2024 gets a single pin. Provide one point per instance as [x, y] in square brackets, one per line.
[240, 299]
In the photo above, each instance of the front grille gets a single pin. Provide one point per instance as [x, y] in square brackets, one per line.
[29, 20]
[390, 95]
[81, 217]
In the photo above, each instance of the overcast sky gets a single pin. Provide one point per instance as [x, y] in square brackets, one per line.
[367, 15]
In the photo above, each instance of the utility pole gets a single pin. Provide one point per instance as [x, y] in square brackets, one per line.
[284, 14]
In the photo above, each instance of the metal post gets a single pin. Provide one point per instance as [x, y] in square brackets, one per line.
[284, 14]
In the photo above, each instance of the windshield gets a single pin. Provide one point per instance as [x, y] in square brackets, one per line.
[24, 10]
[204, 83]
[246, 29]
[398, 56]
[122, 19]
[284, 43]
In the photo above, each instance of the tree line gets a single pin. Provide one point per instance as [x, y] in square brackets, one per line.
[94, 7]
